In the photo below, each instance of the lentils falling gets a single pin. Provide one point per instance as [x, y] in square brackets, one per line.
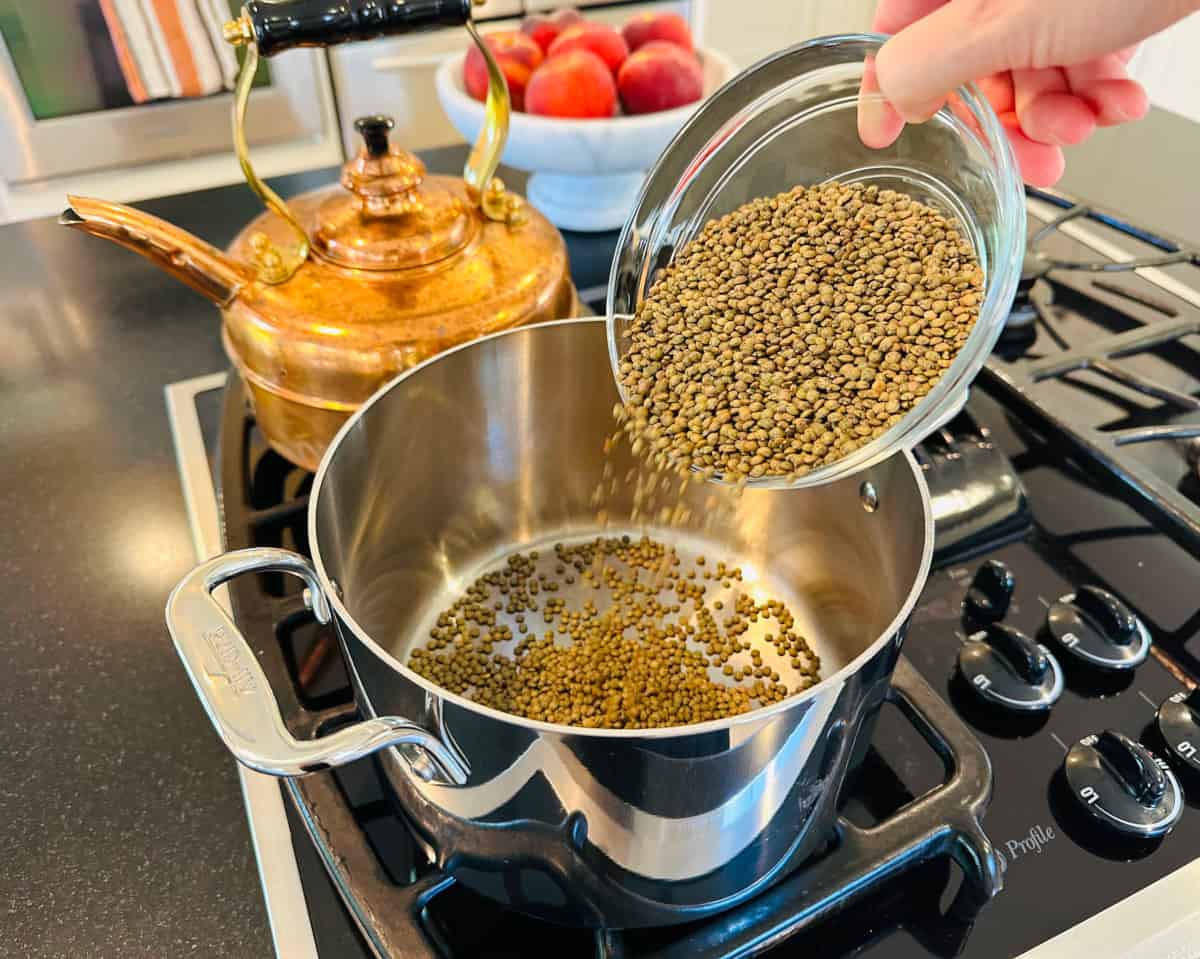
[618, 633]
[797, 328]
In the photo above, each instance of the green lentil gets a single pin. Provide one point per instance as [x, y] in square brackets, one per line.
[795, 329]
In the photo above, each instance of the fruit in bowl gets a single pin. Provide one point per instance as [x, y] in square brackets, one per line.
[544, 30]
[598, 38]
[518, 56]
[573, 84]
[659, 76]
[592, 117]
[667, 75]
[643, 28]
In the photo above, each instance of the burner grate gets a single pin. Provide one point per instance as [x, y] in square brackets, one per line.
[1149, 328]
[400, 918]
[1170, 251]
[404, 906]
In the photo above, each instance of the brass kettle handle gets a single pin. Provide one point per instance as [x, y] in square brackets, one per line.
[269, 28]
[480, 172]
[272, 264]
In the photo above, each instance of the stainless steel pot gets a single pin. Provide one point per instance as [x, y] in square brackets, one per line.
[498, 445]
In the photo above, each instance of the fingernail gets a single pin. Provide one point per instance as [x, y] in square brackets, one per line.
[870, 120]
[879, 125]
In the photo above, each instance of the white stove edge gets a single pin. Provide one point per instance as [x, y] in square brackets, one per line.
[1094, 239]
[1161, 921]
[270, 834]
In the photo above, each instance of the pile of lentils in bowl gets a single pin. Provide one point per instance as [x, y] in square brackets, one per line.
[796, 329]
[616, 633]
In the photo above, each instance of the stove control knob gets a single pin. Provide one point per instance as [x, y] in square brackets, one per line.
[1122, 786]
[990, 592]
[1096, 629]
[1005, 668]
[1178, 724]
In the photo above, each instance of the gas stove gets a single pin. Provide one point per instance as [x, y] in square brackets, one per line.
[1032, 785]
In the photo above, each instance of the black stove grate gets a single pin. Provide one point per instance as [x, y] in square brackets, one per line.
[1142, 322]
[910, 837]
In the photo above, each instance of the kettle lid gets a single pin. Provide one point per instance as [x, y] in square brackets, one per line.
[388, 217]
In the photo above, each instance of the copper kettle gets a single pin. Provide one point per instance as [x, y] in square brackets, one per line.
[330, 295]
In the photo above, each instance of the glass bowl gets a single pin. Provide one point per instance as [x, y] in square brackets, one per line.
[790, 120]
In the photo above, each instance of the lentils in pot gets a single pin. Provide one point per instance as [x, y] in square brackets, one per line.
[796, 329]
[619, 633]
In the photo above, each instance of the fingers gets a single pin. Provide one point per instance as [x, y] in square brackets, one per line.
[892, 16]
[998, 88]
[1118, 101]
[960, 40]
[1047, 109]
[878, 122]
[1104, 83]
[1041, 164]
[939, 45]
[1060, 119]
[953, 44]
[879, 125]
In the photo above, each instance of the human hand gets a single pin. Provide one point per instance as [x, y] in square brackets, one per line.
[1054, 70]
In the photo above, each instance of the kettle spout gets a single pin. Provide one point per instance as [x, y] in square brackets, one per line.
[198, 264]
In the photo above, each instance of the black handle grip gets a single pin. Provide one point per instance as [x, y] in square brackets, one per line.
[283, 24]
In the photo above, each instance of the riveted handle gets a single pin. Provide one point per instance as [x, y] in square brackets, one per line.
[237, 697]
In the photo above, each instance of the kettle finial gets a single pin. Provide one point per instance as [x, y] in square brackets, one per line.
[374, 131]
[385, 178]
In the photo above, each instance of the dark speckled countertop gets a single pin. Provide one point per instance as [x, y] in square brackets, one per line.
[121, 825]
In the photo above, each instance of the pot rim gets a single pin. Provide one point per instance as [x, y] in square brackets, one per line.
[561, 729]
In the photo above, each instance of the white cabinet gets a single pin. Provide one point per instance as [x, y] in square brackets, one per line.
[490, 9]
[748, 30]
[1168, 67]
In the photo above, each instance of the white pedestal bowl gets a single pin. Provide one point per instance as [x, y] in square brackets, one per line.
[586, 174]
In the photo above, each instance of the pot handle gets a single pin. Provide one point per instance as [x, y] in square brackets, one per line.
[237, 697]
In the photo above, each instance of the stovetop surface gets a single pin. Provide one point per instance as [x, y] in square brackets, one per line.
[1082, 533]
[1086, 529]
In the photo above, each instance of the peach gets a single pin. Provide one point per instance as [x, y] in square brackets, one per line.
[597, 38]
[518, 56]
[543, 30]
[566, 17]
[659, 76]
[576, 83]
[643, 28]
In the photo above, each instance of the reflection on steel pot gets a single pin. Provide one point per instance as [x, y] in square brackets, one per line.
[498, 445]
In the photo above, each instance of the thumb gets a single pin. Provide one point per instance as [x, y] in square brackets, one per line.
[964, 40]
